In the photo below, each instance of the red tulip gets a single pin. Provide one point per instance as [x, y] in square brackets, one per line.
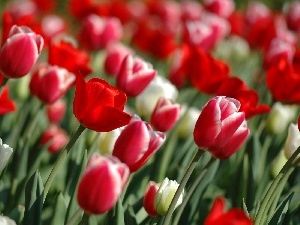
[58, 137]
[134, 76]
[220, 128]
[222, 8]
[20, 52]
[137, 143]
[165, 114]
[148, 201]
[56, 111]
[49, 83]
[218, 215]
[65, 55]
[101, 184]
[7, 105]
[98, 105]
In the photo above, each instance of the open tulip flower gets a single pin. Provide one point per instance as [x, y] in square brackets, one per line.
[98, 105]
[221, 129]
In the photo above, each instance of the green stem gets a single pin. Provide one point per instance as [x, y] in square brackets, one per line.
[4, 82]
[182, 184]
[191, 190]
[75, 217]
[61, 159]
[260, 216]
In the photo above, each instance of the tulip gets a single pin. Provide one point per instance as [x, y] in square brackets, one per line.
[292, 141]
[98, 32]
[115, 54]
[107, 141]
[134, 75]
[165, 195]
[220, 128]
[49, 83]
[20, 52]
[5, 153]
[218, 215]
[165, 114]
[292, 15]
[7, 105]
[187, 121]
[137, 143]
[159, 87]
[280, 117]
[222, 8]
[101, 184]
[56, 111]
[57, 136]
[148, 201]
[99, 106]
[4, 220]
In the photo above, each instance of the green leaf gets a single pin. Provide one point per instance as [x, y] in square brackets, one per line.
[34, 194]
[281, 211]
[119, 214]
[60, 210]
[130, 217]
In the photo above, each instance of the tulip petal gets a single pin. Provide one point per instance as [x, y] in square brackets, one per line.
[208, 125]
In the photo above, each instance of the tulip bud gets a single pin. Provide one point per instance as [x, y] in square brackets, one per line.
[222, 8]
[292, 141]
[58, 137]
[137, 143]
[165, 114]
[220, 128]
[278, 163]
[5, 153]
[148, 201]
[280, 117]
[4, 220]
[164, 196]
[20, 52]
[101, 184]
[50, 83]
[293, 15]
[56, 111]
[107, 141]
[115, 54]
[159, 87]
[98, 32]
[134, 75]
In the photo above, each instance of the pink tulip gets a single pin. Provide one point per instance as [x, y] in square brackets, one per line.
[137, 143]
[56, 111]
[57, 136]
[134, 75]
[148, 201]
[20, 52]
[101, 184]
[220, 128]
[115, 54]
[49, 83]
[293, 16]
[222, 8]
[97, 32]
[165, 114]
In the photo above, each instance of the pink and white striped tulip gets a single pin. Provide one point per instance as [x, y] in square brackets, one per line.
[165, 114]
[101, 184]
[148, 201]
[137, 143]
[221, 129]
[20, 52]
[134, 76]
[49, 83]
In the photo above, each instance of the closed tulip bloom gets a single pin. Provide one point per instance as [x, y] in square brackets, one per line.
[165, 195]
[107, 141]
[148, 201]
[56, 111]
[137, 143]
[234, 216]
[165, 114]
[221, 129]
[49, 83]
[134, 76]
[20, 52]
[292, 141]
[99, 106]
[189, 117]
[101, 184]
